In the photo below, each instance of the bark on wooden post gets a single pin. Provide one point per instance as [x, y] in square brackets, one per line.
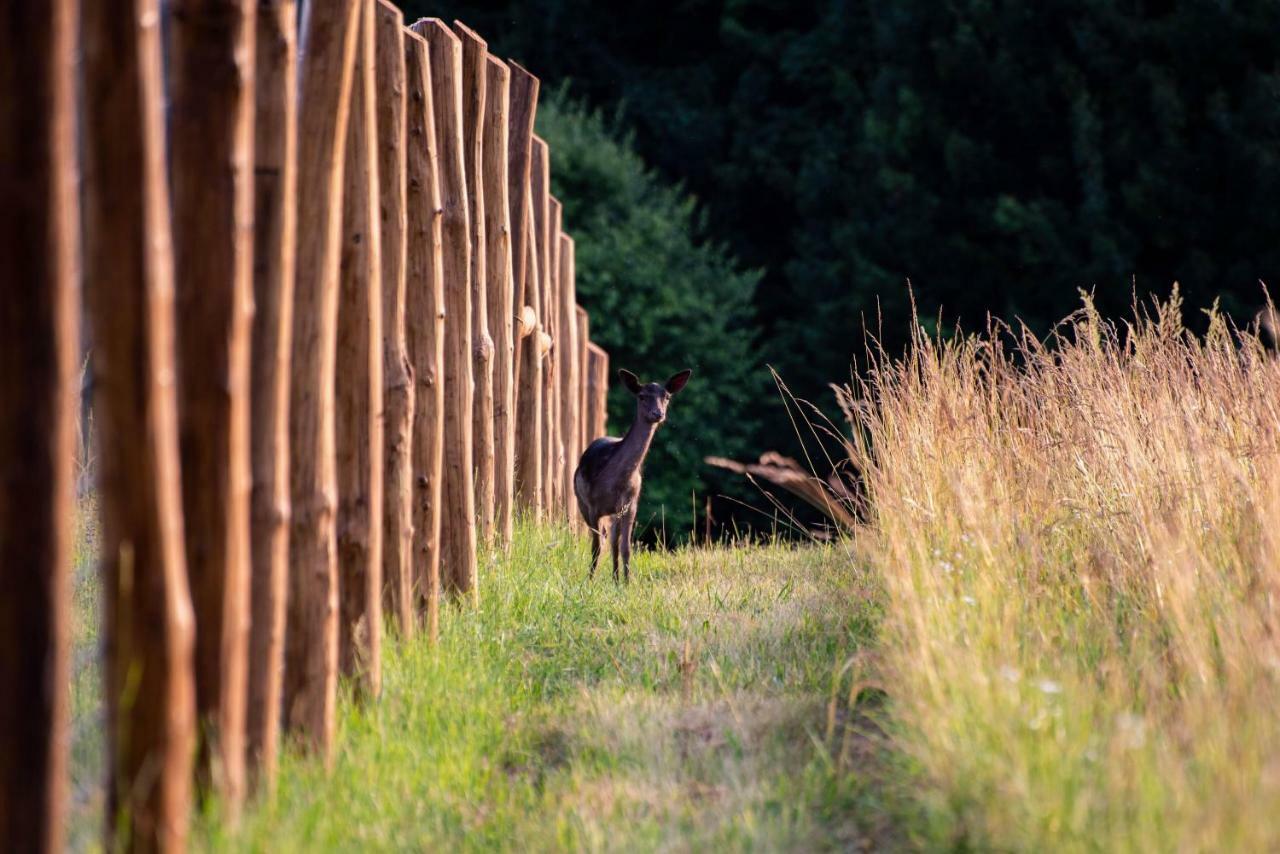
[570, 390]
[597, 391]
[497, 229]
[275, 217]
[539, 184]
[425, 322]
[560, 351]
[358, 426]
[529, 410]
[311, 656]
[584, 414]
[522, 112]
[147, 620]
[39, 345]
[211, 101]
[474, 56]
[458, 527]
[397, 379]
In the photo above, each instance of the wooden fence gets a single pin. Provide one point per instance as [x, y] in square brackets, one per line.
[336, 347]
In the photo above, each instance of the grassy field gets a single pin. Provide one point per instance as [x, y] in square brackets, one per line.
[1080, 552]
[1058, 629]
[693, 708]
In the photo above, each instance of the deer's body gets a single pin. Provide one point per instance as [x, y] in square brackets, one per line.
[609, 477]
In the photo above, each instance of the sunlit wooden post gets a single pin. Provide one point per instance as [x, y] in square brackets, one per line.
[560, 351]
[498, 264]
[584, 414]
[458, 527]
[525, 288]
[570, 393]
[39, 344]
[529, 410]
[425, 326]
[474, 56]
[521, 114]
[597, 391]
[539, 182]
[211, 100]
[397, 379]
[147, 620]
[358, 383]
[311, 657]
[275, 217]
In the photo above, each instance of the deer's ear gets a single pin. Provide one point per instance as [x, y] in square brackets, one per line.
[678, 381]
[630, 380]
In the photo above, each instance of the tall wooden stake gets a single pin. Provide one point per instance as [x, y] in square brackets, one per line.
[39, 343]
[397, 380]
[584, 414]
[522, 111]
[275, 188]
[358, 427]
[539, 181]
[570, 391]
[529, 410]
[425, 322]
[474, 54]
[560, 350]
[458, 528]
[311, 657]
[148, 623]
[497, 215]
[597, 392]
[211, 100]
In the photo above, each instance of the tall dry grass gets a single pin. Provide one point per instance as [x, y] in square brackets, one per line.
[1081, 544]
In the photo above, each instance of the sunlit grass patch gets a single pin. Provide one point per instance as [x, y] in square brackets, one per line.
[687, 709]
[1080, 547]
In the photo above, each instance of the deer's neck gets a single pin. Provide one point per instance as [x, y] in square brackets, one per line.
[634, 446]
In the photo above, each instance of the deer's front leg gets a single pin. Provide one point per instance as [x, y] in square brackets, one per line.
[615, 528]
[625, 523]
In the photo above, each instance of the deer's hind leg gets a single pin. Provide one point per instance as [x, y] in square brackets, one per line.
[595, 546]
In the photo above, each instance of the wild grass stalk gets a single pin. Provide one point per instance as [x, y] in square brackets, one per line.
[1080, 543]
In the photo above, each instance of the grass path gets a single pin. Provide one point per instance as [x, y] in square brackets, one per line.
[689, 710]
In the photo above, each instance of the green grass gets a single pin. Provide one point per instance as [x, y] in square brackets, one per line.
[691, 709]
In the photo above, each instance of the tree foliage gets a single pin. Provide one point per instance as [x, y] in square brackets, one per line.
[1000, 155]
[660, 300]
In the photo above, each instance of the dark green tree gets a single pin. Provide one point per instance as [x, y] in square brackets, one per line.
[661, 299]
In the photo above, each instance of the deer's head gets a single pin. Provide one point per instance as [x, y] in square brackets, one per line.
[652, 399]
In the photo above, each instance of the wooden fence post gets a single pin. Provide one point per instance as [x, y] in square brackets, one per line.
[529, 410]
[211, 101]
[425, 325]
[275, 186]
[147, 619]
[474, 55]
[597, 392]
[458, 529]
[584, 374]
[39, 343]
[398, 390]
[358, 384]
[522, 112]
[311, 656]
[570, 392]
[497, 229]
[559, 353]
[539, 185]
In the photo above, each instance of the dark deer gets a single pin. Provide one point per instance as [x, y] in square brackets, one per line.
[607, 482]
